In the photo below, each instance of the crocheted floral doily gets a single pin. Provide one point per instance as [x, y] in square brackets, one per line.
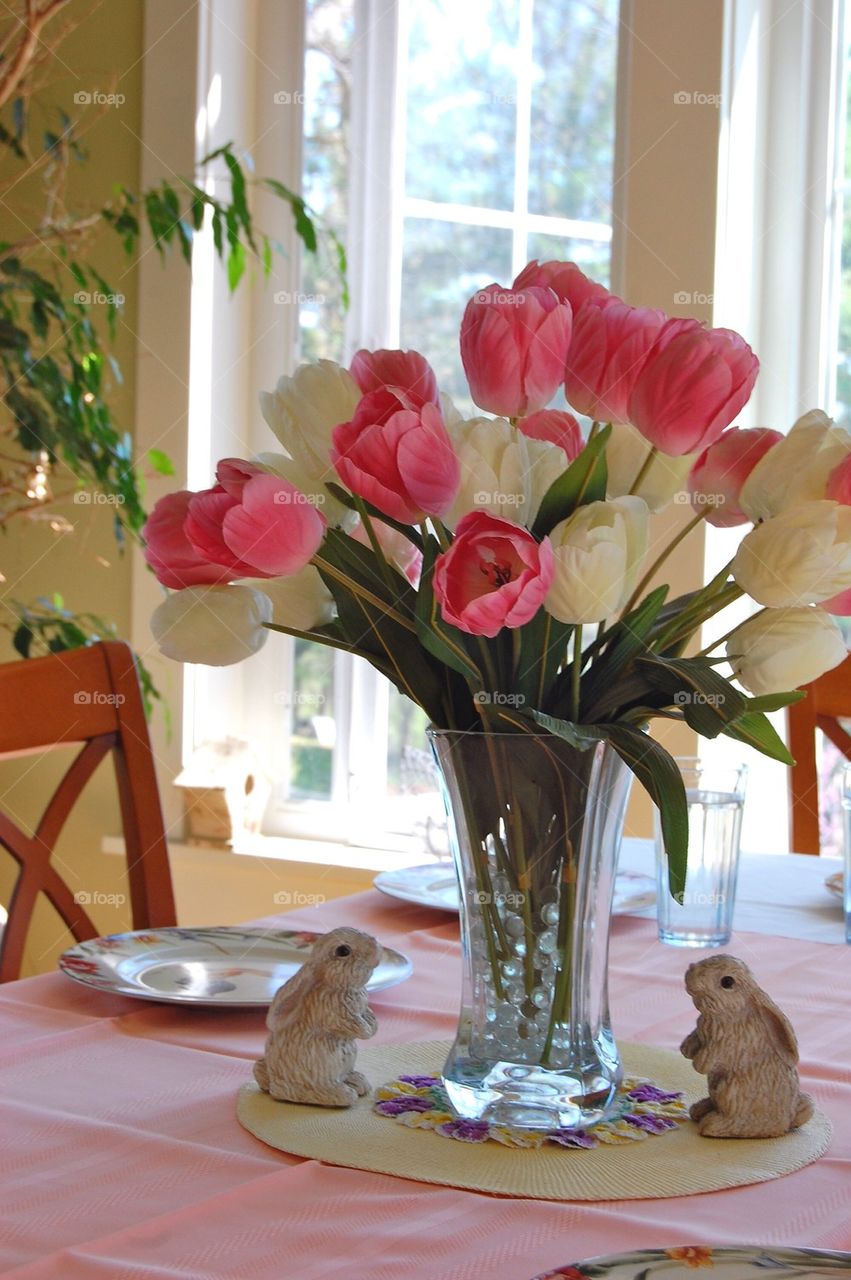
[643, 1110]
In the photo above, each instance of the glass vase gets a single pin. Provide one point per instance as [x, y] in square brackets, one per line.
[535, 826]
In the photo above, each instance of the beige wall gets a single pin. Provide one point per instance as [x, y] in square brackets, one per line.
[103, 53]
[665, 198]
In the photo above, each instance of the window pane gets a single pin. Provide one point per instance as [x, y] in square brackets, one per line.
[312, 727]
[444, 263]
[573, 108]
[461, 86]
[593, 256]
[327, 119]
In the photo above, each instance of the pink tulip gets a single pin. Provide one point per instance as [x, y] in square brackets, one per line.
[494, 575]
[169, 552]
[513, 348]
[691, 387]
[397, 456]
[557, 427]
[253, 522]
[839, 482]
[566, 280]
[610, 344]
[839, 605]
[716, 479]
[406, 371]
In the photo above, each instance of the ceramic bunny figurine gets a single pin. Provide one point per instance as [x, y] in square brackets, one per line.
[313, 1022]
[747, 1049]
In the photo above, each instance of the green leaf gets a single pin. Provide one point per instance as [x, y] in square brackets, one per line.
[444, 642]
[160, 462]
[22, 640]
[707, 700]
[236, 264]
[584, 481]
[754, 729]
[776, 701]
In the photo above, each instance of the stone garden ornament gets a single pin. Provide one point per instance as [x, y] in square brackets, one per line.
[314, 1020]
[747, 1049]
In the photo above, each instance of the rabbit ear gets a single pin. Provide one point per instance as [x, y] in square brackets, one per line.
[778, 1027]
[289, 996]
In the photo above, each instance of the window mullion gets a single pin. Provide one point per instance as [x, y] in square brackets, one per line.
[523, 134]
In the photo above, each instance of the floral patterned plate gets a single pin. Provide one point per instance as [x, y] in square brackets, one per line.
[217, 966]
[694, 1260]
[436, 886]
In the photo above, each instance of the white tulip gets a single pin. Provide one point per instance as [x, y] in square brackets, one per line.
[796, 469]
[301, 601]
[782, 649]
[503, 472]
[303, 411]
[801, 556]
[214, 626]
[598, 551]
[665, 478]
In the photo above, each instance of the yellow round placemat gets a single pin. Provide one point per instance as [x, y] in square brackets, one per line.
[676, 1163]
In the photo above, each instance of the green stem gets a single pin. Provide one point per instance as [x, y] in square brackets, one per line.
[660, 560]
[362, 592]
[484, 886]
[728, 634]
[575, 674]
[644, 468]
[387, 572]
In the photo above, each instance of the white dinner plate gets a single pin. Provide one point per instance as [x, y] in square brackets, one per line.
[436, 886]
[239, 968]
[688, 1263]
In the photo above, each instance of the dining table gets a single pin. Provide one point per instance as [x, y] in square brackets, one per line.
[122, 1156]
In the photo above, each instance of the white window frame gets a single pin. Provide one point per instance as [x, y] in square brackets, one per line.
[776, 280]
[187, 42]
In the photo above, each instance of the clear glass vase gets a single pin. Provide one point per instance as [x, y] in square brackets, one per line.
[535, 826]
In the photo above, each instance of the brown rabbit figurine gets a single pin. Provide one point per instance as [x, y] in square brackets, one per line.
[314, 1020]
[747, 1049]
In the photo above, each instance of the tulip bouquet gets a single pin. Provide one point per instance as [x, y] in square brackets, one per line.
[468, 559]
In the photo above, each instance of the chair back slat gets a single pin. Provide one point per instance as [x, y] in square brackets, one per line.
[92, 696]
[828, 699]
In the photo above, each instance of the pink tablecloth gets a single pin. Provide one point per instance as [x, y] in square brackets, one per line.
[122, 1156]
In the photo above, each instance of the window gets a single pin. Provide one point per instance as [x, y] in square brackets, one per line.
[501, 151]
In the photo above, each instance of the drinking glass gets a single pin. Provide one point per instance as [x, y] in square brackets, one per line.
[716, 796]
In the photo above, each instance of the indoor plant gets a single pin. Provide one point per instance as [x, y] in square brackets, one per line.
[467, 559]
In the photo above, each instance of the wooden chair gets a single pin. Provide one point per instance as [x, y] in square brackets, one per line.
[827, 699]
[90, 696]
